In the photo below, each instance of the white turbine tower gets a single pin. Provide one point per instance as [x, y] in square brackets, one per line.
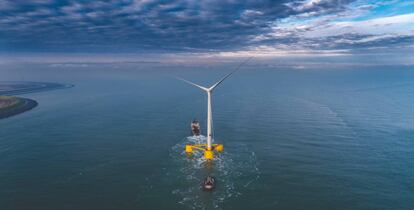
[209, 146]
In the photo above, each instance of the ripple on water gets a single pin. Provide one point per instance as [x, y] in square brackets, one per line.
[234, 170]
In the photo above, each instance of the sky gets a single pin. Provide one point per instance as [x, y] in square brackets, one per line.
[228, 28]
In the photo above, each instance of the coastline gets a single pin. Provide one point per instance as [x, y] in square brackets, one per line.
[8, 88]
[18, 105]
[11, 105]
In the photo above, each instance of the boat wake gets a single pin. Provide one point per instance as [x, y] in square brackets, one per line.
[234, 169]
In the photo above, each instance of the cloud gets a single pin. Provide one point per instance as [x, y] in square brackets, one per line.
[216, 26]
[311, 5]
[5, 5]
[399, 24]
[341, 31]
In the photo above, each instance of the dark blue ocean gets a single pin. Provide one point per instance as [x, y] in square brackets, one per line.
[294, 138]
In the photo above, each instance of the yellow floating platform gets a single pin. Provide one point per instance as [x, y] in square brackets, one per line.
[208, 153]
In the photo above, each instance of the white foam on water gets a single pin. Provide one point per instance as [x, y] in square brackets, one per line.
[234, 170]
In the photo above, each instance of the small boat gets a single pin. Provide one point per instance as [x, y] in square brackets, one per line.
[195, 128]
[209, 183]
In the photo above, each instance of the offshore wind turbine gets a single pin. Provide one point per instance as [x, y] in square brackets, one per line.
[209, 147]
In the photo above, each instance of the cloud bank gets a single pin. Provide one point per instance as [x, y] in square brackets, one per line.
[225, 27]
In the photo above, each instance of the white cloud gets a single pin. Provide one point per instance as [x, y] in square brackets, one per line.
[251, 13]
[75, 7]
[399, 24]
[305, 6]
[280, 50]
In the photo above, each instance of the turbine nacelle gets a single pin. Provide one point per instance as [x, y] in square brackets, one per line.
[210, 89]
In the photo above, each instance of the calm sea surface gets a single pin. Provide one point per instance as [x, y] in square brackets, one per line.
[293, 139]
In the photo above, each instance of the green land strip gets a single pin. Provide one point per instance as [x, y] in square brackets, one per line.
[10, 105]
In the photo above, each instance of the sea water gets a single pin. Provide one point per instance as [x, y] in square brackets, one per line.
[294, 138]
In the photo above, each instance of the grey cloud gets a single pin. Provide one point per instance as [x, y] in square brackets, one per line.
[150, 25]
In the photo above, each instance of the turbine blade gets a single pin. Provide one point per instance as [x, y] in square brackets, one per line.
[225, 77]
[191, 83]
